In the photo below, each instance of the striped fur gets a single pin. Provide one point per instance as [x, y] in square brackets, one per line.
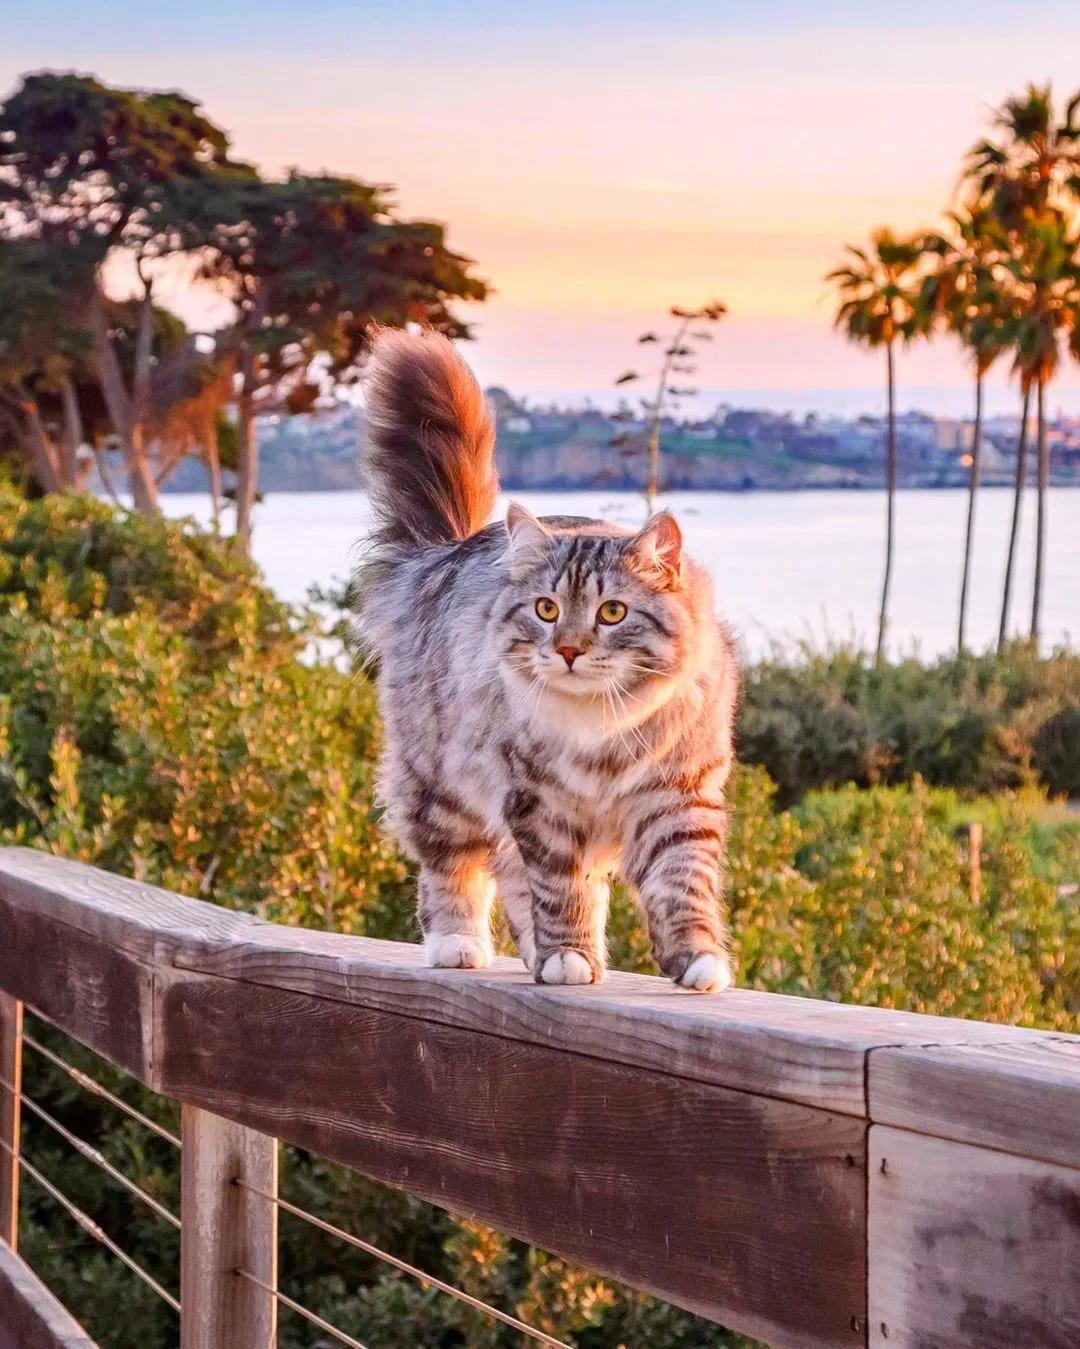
[510, 768]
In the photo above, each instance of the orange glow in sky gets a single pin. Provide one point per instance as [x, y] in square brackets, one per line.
[602, 162]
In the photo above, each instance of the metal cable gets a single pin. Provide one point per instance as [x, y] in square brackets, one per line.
[287, 1301]
[93, 1155]
[91, 1228]
[91, 1084]
[406, 1268]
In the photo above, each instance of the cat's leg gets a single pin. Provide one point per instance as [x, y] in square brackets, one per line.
[512, 888]
[456, 889]
[567, 908]
[674, 856]
[455, 917]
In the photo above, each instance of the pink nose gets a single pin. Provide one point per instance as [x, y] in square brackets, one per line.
[569, 654]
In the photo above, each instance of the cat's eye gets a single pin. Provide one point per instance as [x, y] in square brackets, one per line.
[547, 609]
[611, 611]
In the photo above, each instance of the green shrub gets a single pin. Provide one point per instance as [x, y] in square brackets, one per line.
[1056, 752]
[977, 723]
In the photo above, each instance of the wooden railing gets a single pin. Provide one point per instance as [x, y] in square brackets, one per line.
[808, 1173]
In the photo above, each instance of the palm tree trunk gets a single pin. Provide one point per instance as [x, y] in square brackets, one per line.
[890, 504]
[973, 487]
[1040, 515]
[1014, 531]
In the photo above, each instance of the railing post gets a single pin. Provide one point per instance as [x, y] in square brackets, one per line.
[11, 1022]
[225, 1228]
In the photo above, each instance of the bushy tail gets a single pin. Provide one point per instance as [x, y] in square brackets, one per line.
[429, 456]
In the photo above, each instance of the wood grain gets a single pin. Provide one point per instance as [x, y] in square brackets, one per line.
[970, 1248]
[1016, 1098]
[226, 1228]
[744, 1209]
[96, 992]
[791, 1048]
[30, 1317]
[11, 1050]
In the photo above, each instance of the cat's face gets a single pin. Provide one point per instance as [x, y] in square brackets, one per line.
[599, 615]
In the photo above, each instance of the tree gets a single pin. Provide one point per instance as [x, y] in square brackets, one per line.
[679, 353]
[964, 291]
[1033, 162]
[45, 366]
[1045, 267]
[879, 306]
[1029, 178]
[105, 173]
[312, 265]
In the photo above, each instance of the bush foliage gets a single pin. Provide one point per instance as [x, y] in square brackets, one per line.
[159, 718]
[977, 723]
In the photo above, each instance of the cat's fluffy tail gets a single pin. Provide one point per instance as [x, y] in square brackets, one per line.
[429, 456]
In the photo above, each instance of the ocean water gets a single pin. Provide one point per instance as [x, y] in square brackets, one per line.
[787, 566]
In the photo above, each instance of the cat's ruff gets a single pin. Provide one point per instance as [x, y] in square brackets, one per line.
[557, 696]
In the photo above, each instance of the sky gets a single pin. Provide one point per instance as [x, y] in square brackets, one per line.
[602, 160]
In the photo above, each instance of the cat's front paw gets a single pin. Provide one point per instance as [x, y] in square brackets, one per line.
[568, 967]
[458, 952]
[707, 972]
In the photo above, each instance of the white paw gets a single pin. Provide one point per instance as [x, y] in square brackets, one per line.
[566, 967]
[458, 952]
[707, 973]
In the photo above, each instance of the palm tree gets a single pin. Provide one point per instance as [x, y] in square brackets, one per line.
[878, 306]
[1046, 270]
[1024, 177]
[964, 292]
[1036, 159]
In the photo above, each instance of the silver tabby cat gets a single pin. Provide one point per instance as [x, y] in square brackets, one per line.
[557, 697]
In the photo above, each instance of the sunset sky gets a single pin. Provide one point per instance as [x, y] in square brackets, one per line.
[604, 159]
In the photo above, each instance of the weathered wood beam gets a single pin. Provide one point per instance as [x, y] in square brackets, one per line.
[710, 1150]
[226, 1228]
[970, 1248]
[30, 1317]
[745, 1209]
[1018, 1097]
[11, 1049]
[796, 1049]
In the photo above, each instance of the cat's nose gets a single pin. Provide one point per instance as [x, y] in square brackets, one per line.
[569, 654]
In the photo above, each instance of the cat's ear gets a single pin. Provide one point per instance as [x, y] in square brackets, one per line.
[657, 550]
[530, 543]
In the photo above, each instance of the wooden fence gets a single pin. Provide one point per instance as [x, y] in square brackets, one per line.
[808, 1173]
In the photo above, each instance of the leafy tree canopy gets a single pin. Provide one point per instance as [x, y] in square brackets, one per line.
[85, 162]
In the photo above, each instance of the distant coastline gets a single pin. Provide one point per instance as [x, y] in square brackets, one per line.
[738, 450]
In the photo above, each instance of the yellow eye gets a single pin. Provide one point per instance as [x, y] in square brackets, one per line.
[611, 611]
[547, 609]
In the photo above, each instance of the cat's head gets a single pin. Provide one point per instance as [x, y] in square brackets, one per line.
[591, 611]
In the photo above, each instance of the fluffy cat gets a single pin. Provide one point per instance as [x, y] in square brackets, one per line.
[557, 697]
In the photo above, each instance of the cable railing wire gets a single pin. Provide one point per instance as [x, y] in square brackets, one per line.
[301, 1310]
[93, 1085]
[405, 1267]
[92, 1154]
[91, 1228]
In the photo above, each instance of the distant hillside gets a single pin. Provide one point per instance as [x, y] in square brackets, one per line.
[736, 450]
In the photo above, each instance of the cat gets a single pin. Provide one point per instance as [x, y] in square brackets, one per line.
[557, 697]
